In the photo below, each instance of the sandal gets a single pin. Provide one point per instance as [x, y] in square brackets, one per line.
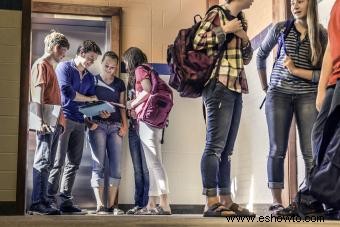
[240, 211]
[143, 211]
[275, 208]
[160, 211]
[218, 210]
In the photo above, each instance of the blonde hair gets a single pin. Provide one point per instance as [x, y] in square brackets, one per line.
[53, 39]
[314, 30]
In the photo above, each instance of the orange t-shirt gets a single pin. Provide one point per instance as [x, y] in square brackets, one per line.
[334, 39]
[43, 75]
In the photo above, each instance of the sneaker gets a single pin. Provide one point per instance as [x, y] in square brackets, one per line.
[291, 210]
[53, 202]
[275, 208]
[42, 209]
[70, 209]
[101, 210]
[313, 209]
[115, 211]
[133, 210]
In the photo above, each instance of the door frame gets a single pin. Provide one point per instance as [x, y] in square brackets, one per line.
[30, 7]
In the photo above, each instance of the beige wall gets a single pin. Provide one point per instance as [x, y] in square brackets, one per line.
[150, 24]
[259, 16]
[10, 45]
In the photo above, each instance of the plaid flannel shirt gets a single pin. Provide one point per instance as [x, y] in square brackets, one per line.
[209, 35]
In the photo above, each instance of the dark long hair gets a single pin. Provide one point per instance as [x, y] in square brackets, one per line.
[133, 57]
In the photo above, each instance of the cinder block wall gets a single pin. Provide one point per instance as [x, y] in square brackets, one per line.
[10, 46]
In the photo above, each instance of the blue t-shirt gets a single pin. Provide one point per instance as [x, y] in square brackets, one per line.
[70, 83]
[110, 95]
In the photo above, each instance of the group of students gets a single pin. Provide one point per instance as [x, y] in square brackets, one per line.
[306, 66]
[59, 148]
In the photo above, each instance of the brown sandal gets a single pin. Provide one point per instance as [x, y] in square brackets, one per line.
[217, 210]
[240, 211]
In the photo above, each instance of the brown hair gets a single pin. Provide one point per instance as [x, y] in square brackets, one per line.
[53, 39]
[314, 32]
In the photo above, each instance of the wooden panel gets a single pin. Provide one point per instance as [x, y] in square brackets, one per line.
[116, 35]
[23, 106]
[47, 7]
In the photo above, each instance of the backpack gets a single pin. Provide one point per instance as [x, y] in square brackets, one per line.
[324, 179]
[155, 111]
[191, 69]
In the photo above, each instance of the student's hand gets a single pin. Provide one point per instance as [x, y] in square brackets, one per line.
[104, 114]
[44, 128]
[289, 64]
[122, 131]
[320, 99]
[94, 126]
[232, 26]
[243, 35]
[93, 98]
[128, 105]
[133, 114]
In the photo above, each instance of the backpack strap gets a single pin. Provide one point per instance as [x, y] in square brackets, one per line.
[283, 36]
[152, 77]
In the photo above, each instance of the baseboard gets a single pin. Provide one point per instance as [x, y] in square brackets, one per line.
[259, 209]
[8, 208]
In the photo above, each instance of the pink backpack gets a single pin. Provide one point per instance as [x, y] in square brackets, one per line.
[155, 111]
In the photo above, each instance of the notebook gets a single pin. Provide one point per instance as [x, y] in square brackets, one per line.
[50, 115]
[94, 108]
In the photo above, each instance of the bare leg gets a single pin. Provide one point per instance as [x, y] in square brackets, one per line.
[98, 193]
[164, 202]
[112, 195]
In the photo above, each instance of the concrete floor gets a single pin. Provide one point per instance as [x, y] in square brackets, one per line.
[140, 221]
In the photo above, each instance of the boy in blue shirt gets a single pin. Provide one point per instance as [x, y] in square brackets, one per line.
[77, 86]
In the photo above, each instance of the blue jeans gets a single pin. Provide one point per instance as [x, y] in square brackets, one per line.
[140, 168]
[70, 144]
[223, 113]
[106, 140]
[280, 108]
[43, 162]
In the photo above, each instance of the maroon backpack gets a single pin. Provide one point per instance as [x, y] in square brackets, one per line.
[191, 69]
[156, 109]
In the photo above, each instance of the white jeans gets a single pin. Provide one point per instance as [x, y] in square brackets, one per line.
[151, 142]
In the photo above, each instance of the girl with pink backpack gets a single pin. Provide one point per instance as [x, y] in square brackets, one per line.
[152, 105]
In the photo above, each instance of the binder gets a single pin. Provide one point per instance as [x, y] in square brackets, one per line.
[50, 115]
[94, 108]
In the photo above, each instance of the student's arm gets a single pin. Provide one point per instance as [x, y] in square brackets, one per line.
[38, 84]
[247, 50]
[312, 75]
[66, 88]
[82, 98]
[264, 50]
[326, 72]
[213, 30]
[90, 124]
[124, 128]
[144, 95]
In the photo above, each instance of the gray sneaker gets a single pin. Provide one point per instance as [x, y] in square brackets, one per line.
[115, 211]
